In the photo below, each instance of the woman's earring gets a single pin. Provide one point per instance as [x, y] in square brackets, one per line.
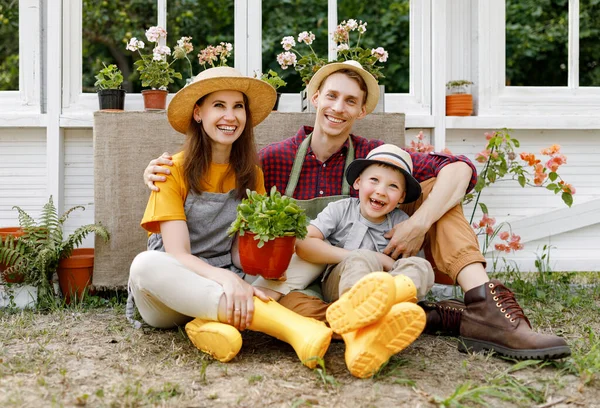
[198, 121]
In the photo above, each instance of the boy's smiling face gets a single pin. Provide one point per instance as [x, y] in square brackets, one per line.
[380, 189]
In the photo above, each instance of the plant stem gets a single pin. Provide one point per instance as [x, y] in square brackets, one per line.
[483, 174]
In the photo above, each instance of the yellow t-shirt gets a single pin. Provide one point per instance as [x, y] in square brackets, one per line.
[168, 204]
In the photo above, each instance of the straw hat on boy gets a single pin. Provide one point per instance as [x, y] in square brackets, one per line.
[325, 71]
[390, 155]
[261, 95]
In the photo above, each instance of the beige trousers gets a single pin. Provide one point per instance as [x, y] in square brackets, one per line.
[363, 261]
[167, 294]
[298, 276]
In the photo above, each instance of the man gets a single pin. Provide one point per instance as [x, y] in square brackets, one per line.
[491, 318]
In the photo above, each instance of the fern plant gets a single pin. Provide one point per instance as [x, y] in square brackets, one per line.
[37, 252]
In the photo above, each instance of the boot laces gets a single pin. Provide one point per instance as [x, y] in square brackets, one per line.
[450, 317]
[506, 300]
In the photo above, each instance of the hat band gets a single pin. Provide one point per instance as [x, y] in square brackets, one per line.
[391, 158]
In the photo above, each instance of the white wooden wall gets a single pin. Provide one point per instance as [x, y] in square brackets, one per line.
[23, 175]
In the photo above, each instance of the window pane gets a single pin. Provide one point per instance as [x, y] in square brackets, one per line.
[589, 43]
[536, 42]
[388, 27]
[9, 45]
[207, 22]
[290, 18]
[106, 27]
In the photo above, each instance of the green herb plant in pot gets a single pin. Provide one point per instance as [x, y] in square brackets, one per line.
[273, 79]
[268, 226]
[108, 82]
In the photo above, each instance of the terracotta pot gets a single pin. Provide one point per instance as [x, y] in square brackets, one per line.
[155, 99]
[111, 99]
[10, 277]
[459, 105]
[75, 273]
[271, 260]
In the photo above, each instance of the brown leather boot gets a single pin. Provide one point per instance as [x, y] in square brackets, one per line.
[443, 317]
[493, 320]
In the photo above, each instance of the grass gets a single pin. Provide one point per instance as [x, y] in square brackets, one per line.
[45, 360]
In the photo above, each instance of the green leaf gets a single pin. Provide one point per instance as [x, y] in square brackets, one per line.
[484, 208]
[567, 198]
[552, 176]
[552, 186]
[522, 180]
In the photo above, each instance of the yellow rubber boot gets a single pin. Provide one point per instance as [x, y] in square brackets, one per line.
[220, 340]
[367, 301]
[406, 290]
[369, 348]
[310, 338]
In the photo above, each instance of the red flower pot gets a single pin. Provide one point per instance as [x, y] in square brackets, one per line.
[271, 260]
[155, 99]
[75, 273]
[10, 277]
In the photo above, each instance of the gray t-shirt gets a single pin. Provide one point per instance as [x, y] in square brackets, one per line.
[342, 225]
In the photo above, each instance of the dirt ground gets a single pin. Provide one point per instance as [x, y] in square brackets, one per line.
[95, 358]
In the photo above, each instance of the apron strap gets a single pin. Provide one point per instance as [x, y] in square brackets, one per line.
[299, 162]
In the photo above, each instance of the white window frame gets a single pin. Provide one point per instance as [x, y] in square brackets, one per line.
[78, 107]
[22, 107]
[415, 103]
[495, 98]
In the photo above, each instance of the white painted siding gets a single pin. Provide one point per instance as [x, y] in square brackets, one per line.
[79, 179]
[574, 250]
[22, 173]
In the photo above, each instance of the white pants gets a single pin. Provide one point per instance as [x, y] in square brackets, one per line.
[167, 294]
[299, 275]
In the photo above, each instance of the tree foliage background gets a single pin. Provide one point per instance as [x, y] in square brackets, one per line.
[536, 37]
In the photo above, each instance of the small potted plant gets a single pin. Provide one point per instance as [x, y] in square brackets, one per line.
[308, 64]
[459, 102]
[268, 226]
[273, 79]
[41, 251]
[108, 83]
[155, 71]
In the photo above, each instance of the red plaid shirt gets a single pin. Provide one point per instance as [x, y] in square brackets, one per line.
[325, 179]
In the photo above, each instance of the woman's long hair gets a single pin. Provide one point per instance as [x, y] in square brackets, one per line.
[243, 159]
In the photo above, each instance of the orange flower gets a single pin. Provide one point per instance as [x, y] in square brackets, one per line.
[529, 158]
[540, 175]
[551, 150]
[555, 162]
[502, 247]
[567, 188]
[482, 156]
[503, 235]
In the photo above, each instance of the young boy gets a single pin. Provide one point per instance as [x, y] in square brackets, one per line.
[348, 235]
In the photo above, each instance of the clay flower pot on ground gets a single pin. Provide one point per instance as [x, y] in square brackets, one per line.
[38, 252]
[10, 276]
[268, 226]
[75, 274]
[459, 102]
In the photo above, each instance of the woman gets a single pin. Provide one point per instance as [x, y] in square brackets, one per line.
[188, 275]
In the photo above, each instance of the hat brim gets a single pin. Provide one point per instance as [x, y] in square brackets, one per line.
[261, 98]
[325, 71]
[413, 187]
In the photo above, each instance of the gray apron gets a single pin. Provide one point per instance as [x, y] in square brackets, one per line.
[208, 216]
[315, 205]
